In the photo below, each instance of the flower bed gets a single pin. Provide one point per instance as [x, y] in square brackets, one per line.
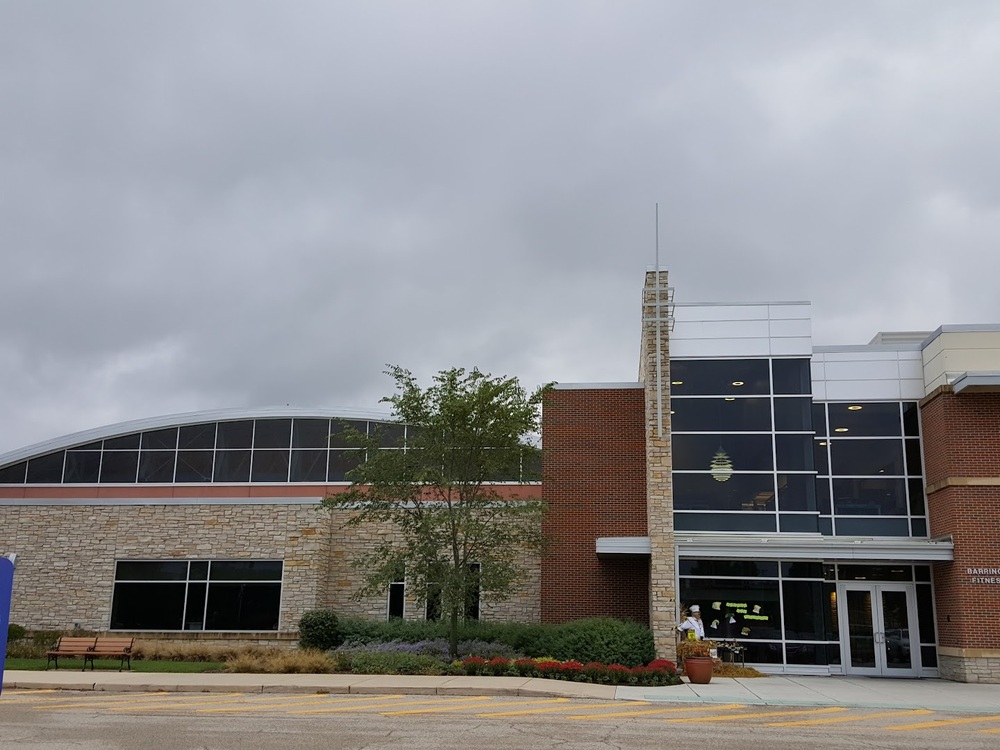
[657, 672]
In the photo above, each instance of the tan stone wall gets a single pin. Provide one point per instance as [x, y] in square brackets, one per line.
[969, 668]
[344, 579]
[659, 487]
[66, 553]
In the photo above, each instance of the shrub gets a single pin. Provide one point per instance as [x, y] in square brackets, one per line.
[396, 663]
[319, 629]
[280, 661]
[15, 632]
[602, 640]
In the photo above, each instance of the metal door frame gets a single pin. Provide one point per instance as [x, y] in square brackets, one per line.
[881, 668]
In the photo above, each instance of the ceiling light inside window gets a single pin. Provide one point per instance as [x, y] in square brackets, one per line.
[730, 398]
[840, 429]
[854, 407]
[676, 382]
[737, 382]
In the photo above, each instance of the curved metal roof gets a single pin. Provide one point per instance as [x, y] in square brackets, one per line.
[178, 420]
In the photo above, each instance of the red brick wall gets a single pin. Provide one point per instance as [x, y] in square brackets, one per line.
[594, 483]
[962, 441]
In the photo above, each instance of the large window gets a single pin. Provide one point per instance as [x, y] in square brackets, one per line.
[196, 595]
[741, 432]
[870, 472]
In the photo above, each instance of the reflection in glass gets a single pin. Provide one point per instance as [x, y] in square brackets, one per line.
[794, 452]
[861, 629]
[869, 497]
[793, 414]
[720, 415]
[866, 457]
[719, 377]
[791, 376]
[796, 492]
[119, 466]
[741, 492]
[272, 433]
[747, 452]
[896, 630]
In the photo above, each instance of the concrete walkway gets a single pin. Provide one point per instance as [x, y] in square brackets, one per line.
[767, 691]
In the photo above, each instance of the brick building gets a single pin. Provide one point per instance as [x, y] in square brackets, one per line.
[832, 510]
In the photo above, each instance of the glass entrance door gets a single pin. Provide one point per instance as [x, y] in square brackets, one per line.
[878, 624]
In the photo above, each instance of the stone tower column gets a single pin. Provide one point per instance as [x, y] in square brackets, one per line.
[654, 372]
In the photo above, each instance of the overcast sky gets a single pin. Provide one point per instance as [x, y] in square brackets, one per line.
[224, 204]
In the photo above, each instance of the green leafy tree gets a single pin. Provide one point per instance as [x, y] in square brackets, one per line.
[455, 531]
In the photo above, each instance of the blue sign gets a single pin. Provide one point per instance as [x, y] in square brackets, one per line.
[6, 588]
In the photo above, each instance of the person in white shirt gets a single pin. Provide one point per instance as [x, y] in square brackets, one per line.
[693, 622]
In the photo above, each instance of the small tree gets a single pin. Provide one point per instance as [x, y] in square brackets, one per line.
[455, 530]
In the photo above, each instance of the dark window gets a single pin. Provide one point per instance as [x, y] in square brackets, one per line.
[918, 527]
[914, 463]
[311, 433]
[46, 469]
[821, 456]
[347, 433]
[866, 457]
[242, 595]
[799, 522]
[791, 376]
[819, 419]
[793, 414]
[148, 606]
[728, 568]
[873, 527]
[83, 467]
[270, 466]
[739, 492]
[917, 505]
[719, 377]
[928, 656]
[802, 570]
[925, 614]
[232, 466]
[156, 466]
[865, 419]
[796, 492]
[243, 606]
[825, 526]
[272, 433]
[432, 609]
[119, 466]
[875, 572]
[197, 436]
[720, 414]
[823, 496]
[342, 462]
[808, 611]
[94, 446]
[151, 570]
[235, 434]
[911, 420]
[387, 434]
[14, 474]
[745, 609]
[794, 452]
[704, 452]
[472, 593]
[122, 443]
[397, 599]
[686, 521]
[160, 439]
[194, 466]
[808, 653]
[246, 570]
[308, 466]
[869, 497]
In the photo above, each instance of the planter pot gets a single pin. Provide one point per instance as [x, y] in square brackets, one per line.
[698, 669]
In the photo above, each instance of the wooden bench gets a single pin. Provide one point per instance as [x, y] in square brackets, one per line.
[90, 648]
[108, 647]
[70, 645]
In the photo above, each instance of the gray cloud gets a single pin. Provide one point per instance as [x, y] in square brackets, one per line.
[212, 204]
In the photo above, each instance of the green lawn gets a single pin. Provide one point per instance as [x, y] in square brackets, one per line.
[140, 665]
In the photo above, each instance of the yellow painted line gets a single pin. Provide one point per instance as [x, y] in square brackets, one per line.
[764, 714]
[232, 699]
[460, 708]
[310, 700]
[591, 717]
[944, 723]
[85, 701]
[14, 693]
[477, 698]
[606, 704]
[839, 719]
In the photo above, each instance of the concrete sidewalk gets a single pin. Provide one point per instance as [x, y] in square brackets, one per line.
[776, 690]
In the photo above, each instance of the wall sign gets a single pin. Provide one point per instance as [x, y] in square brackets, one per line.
[983, 575]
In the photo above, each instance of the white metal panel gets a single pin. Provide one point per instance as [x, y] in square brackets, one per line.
[791, 347]
[819, 390]
[912, 389]
[862, 354]
[720, 348]
[797, 327]
[789, 310]
[863, 390]
[719, 312]
[863, 370]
